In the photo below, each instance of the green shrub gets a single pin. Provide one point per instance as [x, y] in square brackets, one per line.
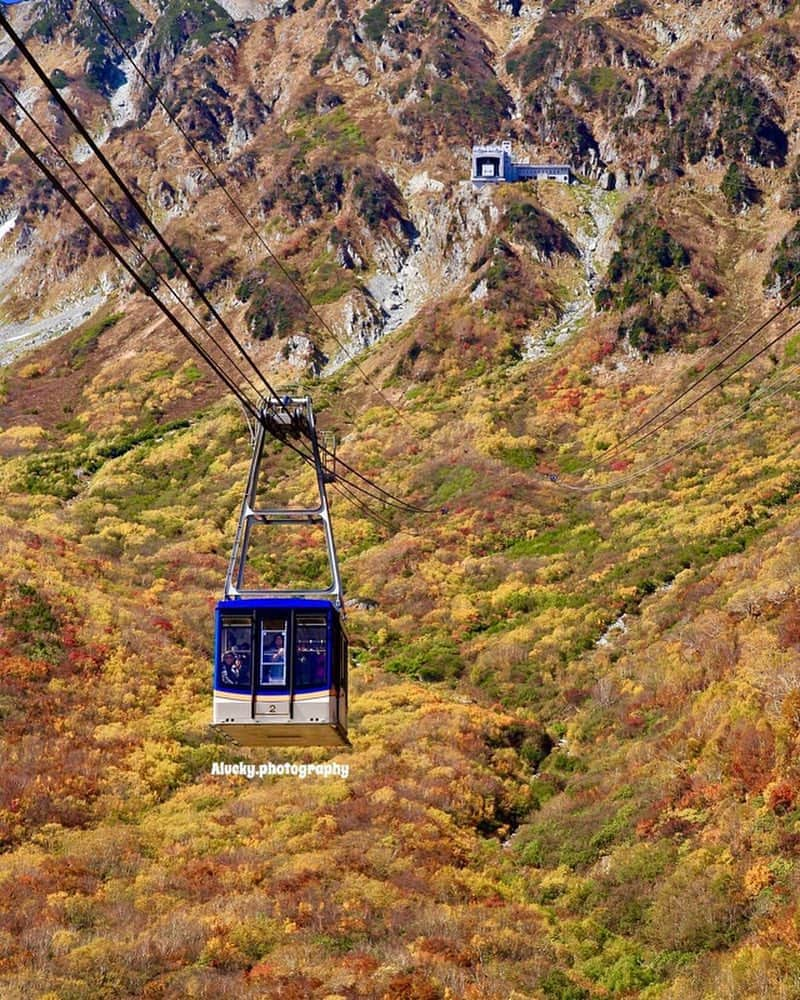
[738, 188]
[103, 71]
[535, 62]
[430, 660]
[35, 625]
[376, 20]
[784, 268]
[730, 116]
[647, 265]
[533, 225]
[59, 79]
[187, 22]
[793, 187]
[87, 339]
[557, 986]
[626, 10]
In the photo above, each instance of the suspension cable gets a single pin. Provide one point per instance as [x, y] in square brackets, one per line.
[84, 133]
[98, 232]
[359, 504]
[384, 495]
[762, 393]
[154, 230]
[129, 238]
[627, 442]
[380, 496]
[716, 385]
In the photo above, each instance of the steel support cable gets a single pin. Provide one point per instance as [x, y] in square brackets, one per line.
[712, 348]
[381, 497]
[716, 385]
[387, 501]
[222, 185]
[391, 498]
[706, 352]
[123, 186]
[627, 442]
[344, 487]
[373, 515]
[370, 488]
[759, 396]
[182, 329]
[220, 181]
[380, 494]
[128, 237]
[706, 436]
[359, 504]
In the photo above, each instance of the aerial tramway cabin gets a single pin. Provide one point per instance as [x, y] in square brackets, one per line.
[281, 656]
[281, 672]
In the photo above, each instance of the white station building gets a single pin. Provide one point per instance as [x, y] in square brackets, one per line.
[495, 165]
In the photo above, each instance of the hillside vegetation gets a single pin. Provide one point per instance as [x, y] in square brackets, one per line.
[575, 705]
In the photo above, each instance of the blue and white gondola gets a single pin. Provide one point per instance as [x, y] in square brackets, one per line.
[281, 656]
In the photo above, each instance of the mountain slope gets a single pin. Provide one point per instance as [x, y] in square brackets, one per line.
[574, 713]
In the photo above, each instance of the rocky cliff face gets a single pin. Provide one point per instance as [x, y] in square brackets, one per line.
[344, 131]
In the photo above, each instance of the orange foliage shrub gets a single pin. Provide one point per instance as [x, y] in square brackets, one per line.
[790, 710]
[789, 626]
[780, 797]
[752, 754]
[412, 986]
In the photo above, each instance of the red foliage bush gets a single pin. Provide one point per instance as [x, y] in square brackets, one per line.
[602, 350]
[569, 400]
[789, 627]
[360, 963]
[412, 987]
[790, 710]
[781, 797]
[445, 950]
[752, 754]
[574, 695]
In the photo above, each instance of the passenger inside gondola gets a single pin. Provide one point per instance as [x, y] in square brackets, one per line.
[242, 650]
[241, 670]
[273, 659]
[226, 667]
[234, 670]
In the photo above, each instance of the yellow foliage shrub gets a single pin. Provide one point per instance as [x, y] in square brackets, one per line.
[20, 438]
